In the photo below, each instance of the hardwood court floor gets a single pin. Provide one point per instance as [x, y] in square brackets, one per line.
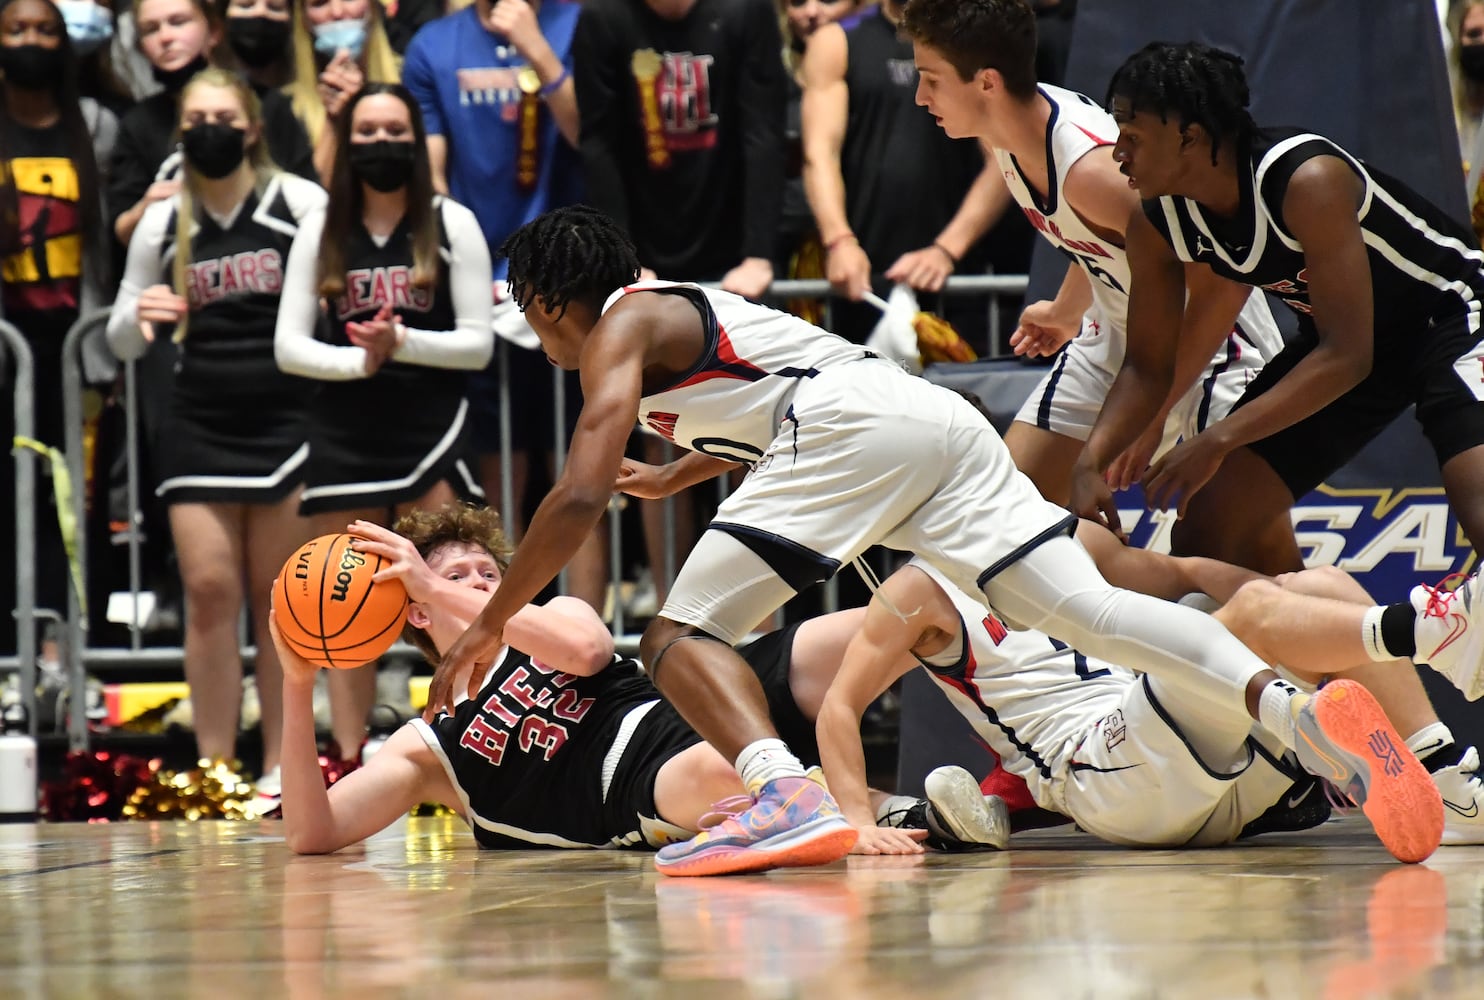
[224, 910]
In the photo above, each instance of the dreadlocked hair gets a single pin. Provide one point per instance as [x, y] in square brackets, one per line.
[573, 254]
[1197, 84]
[452, 524]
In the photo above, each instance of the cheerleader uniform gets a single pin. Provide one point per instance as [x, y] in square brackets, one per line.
[388, 439]
[235, 429]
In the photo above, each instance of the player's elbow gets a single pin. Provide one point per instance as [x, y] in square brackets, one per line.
[308, 841]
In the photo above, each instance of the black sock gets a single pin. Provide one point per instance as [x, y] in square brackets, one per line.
[1397, 634]
[1446, 755]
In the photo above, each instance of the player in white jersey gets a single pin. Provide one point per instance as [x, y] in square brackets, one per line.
[1055, 151]
[848, 451]
[1137, 760]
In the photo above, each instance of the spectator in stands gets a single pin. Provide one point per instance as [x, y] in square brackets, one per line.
[406, 276]
[180, 38]
[53, 251]
[1466, 70]
[259, 32]
[90, 27]
[339, 46]
[891, 193]
[683, 105]
[494, 82]
[205, 270]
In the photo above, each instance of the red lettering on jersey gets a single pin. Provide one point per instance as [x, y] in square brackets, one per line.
[400, 279]
[662, 424]
[996, 629]
[495, 707]
[209, 281]
[485, 740]
[270, 271]
[230, 281]
[247, 270]
[514, 685]
[570, 708]
[548, 736]
[1037, 220]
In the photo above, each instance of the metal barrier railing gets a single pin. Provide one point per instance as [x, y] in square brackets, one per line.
[25, 517]
[79, 655]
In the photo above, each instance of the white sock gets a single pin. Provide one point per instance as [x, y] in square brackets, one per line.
[893, 809]
[767, 760]
[1429, 739]
[1276, 708]
[1370, 635]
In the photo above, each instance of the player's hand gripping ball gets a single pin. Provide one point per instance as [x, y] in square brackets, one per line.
[329, 609]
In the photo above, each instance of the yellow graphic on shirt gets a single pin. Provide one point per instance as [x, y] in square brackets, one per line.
[49, 222]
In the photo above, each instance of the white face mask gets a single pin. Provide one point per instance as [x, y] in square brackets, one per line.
[332, 36]
[89, 25]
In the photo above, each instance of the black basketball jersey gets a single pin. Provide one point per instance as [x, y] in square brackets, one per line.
[378, 275]
[236, 271]
[532, 748]
[1423, 264]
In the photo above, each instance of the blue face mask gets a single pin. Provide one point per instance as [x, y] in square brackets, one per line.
[332, 36]
[89, 25]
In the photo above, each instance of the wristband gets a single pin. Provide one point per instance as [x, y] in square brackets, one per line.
[550, 88]
[830, 246]
[945, 252]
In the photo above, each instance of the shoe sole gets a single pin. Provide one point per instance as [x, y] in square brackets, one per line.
[818, 842]
[1400, 799]
[969, 815]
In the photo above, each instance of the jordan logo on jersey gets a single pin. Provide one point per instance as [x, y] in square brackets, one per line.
[370, 288]
[537, 714]
[257, 272]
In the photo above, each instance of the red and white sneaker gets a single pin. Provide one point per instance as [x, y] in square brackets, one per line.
[1450, 632]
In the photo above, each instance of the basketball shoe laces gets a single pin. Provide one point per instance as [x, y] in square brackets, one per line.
[727, 809]
[1440, 601]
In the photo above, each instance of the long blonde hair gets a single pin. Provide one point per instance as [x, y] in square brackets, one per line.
[186, 211]
[1468, 95]
[379, 62]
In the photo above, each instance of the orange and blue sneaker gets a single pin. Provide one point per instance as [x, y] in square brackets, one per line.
[1345, 738]
[792, 823]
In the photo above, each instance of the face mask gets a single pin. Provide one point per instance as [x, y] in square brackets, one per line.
[332, 36]
[174, 80]
[89, 25]
[385, 166]
[1471, 61]
[258, 41]
[30, 67]
[212, 149]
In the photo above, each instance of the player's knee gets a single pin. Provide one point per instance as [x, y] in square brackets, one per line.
[212, 596]
[657, 640]
[1251, 610]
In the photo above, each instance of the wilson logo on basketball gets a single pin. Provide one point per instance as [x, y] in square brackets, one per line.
[349, 563]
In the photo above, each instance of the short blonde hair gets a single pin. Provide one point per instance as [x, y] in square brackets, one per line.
[452, 524]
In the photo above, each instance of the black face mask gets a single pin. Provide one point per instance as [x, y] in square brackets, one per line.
[212, 149]
[1471, 61]
[31, 67]
[174, 80]
[258, 41]
[386, 166]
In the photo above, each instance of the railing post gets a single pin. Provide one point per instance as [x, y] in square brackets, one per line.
[25, 517]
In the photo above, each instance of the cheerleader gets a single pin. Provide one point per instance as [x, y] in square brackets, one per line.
[233, 455]
[405, 275]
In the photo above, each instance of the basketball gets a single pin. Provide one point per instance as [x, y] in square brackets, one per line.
[329, 611]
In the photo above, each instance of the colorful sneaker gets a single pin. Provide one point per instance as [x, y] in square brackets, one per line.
[793, 822]
[956, 814]
[1345, 738]
[1448, 638]
[1463, 792]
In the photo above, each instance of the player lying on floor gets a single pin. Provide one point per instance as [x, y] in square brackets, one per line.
[566, 744]
[1138, 760]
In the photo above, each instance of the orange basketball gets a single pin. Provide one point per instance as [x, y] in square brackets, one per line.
[329, 610]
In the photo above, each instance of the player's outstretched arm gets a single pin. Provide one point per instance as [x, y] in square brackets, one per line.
[317, 820]
[877, 656]
[655, 482]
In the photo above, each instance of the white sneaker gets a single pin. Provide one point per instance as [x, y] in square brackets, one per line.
[270, 791]
[1449, 639]
[960, 816]
[1463, 792]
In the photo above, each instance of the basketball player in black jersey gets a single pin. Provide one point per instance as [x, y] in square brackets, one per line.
[1386, 287]
[565, 745]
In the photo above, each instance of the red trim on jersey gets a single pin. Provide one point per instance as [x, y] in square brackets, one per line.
[1097, 139]
[726, 364]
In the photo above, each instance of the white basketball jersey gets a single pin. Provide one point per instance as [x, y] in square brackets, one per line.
[1031, 698]
[1078, 126]
[733, 401]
